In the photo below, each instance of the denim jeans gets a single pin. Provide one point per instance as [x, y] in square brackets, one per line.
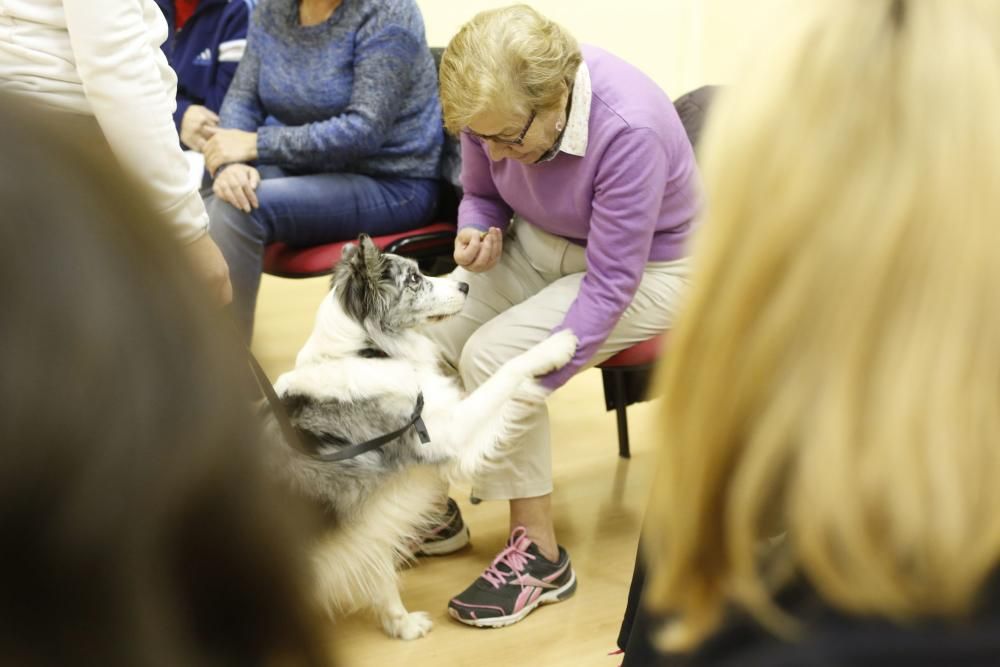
[307, 210]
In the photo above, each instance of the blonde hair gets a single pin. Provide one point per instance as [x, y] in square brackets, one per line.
[511, 60]
[837, 368]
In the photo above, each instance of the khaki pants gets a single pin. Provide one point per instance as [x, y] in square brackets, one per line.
[515, 305]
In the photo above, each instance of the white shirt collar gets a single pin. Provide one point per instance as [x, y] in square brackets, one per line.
[577, 133]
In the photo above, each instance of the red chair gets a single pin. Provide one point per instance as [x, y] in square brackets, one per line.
[625, 377]
[425, 243]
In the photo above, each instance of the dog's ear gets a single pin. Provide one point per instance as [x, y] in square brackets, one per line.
[358, 278]
[360, 255]
[367, 261]
[348, 252]
[369, 249]
[347, 256]
[342, 267]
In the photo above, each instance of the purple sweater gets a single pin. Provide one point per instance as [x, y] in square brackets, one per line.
[629, 200]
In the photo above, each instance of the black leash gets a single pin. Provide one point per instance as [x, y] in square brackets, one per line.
[297, 438]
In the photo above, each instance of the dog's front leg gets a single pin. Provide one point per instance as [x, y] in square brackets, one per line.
[489, 415]
[487, 400]
[395, 620]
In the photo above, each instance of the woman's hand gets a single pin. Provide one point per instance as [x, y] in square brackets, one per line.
[228, 146]
[237, 184]
[197, 126]
[478, 251]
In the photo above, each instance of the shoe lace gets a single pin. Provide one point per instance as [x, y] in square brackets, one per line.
[514, 557]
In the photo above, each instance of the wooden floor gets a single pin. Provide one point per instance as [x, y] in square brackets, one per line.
[598, 501]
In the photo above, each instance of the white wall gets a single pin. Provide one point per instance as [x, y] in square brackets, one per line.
[733, 30]
[680, 43]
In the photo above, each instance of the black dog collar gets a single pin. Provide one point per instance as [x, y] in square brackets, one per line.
[319, 441]
[309, 443]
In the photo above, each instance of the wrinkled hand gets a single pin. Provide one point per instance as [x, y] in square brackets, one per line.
[478, 251]
[228, 146]
[210, 268]
[237, 184]
[197, 126]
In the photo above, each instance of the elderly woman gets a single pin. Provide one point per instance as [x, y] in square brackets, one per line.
[332, 127]
[580, 190]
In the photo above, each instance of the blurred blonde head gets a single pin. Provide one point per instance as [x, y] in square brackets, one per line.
[837, 370]
[510, 61]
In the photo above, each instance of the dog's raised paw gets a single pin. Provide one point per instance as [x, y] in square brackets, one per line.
[553, 353]
[413, 625]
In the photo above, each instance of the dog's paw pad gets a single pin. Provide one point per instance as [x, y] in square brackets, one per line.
[413, 625]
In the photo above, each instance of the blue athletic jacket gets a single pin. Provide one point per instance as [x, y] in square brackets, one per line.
[206, 51]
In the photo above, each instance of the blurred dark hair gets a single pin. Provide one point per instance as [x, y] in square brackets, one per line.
[137, 524]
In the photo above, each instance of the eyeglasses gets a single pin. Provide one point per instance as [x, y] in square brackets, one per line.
[500, 140]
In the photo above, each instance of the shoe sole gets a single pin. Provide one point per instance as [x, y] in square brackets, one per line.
[558, 595]
[446, 546]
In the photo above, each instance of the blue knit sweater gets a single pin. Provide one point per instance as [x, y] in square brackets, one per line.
[357, 93]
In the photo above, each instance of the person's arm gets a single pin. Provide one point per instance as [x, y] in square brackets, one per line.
[126, 91]
[481, 207]
[233, 44]
[383, 76]
[628, 192]
[241, 107]
[183, 104]
[183, 101]
[198, 119]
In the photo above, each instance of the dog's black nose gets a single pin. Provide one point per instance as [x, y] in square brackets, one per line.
[464, 287]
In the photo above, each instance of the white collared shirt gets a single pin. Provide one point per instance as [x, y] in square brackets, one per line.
[576, 135]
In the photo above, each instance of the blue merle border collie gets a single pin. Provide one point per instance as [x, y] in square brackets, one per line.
[359, 377]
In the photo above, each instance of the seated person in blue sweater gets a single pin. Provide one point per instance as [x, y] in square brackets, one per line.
[206, 41]
[331, 127]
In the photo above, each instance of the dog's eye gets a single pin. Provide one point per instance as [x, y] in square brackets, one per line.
[414, 279]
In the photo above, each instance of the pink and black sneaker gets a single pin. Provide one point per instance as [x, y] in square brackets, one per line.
[448, 536]
[519, 580]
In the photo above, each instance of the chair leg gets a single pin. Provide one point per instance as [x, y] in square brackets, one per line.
[619, 397]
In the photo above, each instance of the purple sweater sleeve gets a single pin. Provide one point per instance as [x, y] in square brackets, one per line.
[628, 193]
[481, 206]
